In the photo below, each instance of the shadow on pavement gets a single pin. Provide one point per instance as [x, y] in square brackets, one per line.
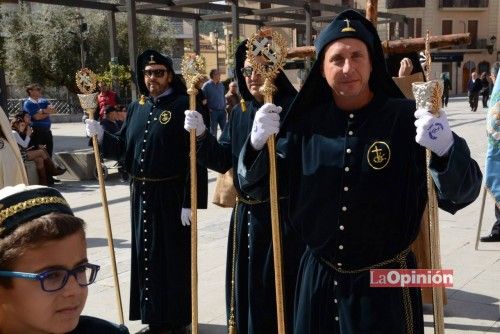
[467, 328]
[463, 304]
[101, 242]
[212, 329]
[98, 204]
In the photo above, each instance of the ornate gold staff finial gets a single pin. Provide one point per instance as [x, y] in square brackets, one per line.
[86, 81]
[193, 69]
[266, 51]
[270, 45]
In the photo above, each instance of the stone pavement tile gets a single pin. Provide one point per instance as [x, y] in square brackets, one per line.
[484, 291]
[469, 317]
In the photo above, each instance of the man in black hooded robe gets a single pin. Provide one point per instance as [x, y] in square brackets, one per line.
[155, 149]
[352, 159]
[250, 252]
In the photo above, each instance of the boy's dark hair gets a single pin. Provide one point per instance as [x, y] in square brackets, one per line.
[49, 227]
[33, 86]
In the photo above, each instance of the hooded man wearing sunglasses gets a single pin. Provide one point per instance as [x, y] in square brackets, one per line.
[155, 149]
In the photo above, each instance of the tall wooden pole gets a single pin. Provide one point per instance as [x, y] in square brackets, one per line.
[192, 68]
[371, 11]
[86, 82]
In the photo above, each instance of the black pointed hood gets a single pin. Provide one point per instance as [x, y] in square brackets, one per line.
[316, 89]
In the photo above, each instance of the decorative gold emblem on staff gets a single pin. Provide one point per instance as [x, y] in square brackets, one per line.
[271, 46]
[428, 96]
[193, 69]
[86, 81]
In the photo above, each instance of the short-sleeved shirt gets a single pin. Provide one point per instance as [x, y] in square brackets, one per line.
[214, 93]
[32, 107]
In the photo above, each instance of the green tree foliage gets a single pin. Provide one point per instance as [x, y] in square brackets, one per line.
[119, 74]
[44, 45]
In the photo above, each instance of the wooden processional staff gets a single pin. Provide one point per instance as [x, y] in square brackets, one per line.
[86, 82]
[193, 69]
[266, 51]
[428, 96]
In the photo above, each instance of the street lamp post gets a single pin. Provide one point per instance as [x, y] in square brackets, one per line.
[82, 27]
[216, 36]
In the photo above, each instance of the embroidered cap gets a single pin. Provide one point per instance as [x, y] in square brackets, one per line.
[21, 203]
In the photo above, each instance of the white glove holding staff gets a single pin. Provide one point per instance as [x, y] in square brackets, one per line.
[92, 127]
[265, 124]
[194, 120]
[186, 217]
[433, 133]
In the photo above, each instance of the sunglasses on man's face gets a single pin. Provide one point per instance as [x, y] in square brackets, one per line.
[247, 71]
[156, 73]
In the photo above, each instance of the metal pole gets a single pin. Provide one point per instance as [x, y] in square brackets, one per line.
[235, 21]
[481, 215]
[132, 43]
[196, 36]
[217, 50]
[307, 11]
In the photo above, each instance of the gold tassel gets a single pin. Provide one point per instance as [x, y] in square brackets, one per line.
[243, 105]
[232, 324]
[142, 100]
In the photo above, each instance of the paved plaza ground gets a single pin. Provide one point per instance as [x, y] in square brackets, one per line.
[473, 303]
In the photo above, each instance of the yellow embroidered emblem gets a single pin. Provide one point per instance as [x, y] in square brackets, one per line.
[348, 28]
[142, 100]
[378, 155]
[165, 117]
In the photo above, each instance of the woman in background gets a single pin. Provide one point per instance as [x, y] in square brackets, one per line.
[12, 169]
[45, 167]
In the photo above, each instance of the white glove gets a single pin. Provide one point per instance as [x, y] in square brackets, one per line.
[265, 124]
[194, 120]
[405, 67]
[433, 133]
[186, 217]
[92, 127]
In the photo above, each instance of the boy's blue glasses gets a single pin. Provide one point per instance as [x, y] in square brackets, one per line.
[55, 279]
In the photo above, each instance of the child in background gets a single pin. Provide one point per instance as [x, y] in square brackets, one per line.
[44, 270]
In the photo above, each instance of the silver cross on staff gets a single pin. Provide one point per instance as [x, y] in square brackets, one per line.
[264, 47]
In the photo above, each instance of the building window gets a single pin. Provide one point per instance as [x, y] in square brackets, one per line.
[414, 27]
[411, 27]
[472, 29]
[405, 3]
[447, 27]
[418, 28]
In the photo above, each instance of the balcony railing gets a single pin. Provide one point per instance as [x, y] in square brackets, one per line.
[404, 3]
[463, 3]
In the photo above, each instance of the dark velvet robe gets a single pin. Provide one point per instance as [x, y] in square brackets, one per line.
[155, 148]
[353, 215]
[254, 272]
[91, 325]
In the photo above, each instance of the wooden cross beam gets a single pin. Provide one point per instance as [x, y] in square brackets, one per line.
[406, 45]
[392, 47]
